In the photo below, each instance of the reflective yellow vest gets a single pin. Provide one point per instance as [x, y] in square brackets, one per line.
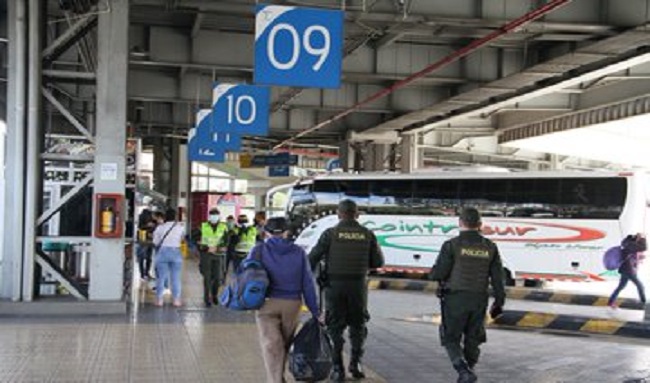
[213, 237]
[246, 239]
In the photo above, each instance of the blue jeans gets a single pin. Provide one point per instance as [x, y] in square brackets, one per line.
[169, 260]
[623, 282]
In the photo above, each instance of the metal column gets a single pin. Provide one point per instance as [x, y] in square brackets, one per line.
[33, 169]
[107, 260]
[14, 199]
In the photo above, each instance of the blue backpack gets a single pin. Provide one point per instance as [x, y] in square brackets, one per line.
[246, 288]
[613, 258]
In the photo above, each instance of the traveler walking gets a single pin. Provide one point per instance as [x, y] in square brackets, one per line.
[169, 261]
[631, 249]
[465, 266]
[345, 253]
[291, 280]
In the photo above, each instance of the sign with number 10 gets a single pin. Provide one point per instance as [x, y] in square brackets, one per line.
[240, 109]
[298, 46]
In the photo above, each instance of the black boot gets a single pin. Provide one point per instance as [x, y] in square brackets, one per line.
[356, 369]
[465, 374]
[337, 374]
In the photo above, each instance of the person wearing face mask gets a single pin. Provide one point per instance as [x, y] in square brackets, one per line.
[242, 240]
[213, 242]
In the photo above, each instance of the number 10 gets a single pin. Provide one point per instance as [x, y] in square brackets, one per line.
[321, 52]
[236, 105]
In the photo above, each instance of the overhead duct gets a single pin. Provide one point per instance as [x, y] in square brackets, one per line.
[472, 47]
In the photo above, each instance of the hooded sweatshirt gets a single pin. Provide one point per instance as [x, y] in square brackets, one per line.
[289, 273]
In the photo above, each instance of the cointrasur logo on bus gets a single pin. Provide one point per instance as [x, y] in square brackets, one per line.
[409, 235]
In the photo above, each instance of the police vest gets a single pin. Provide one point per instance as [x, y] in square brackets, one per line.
[349, 252]
[213, 237]
[247, 238]
[472, 259]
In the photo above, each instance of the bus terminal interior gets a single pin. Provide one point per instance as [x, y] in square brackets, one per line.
[535, 112]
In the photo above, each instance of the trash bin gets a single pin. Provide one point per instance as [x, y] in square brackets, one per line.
[58, 252]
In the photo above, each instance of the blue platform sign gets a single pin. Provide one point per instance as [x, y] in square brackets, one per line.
[208, 146]
[298, 46]
[332, 164]
[240, 109]
[279, 171]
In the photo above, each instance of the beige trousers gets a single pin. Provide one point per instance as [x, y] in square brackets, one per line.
[276, 323]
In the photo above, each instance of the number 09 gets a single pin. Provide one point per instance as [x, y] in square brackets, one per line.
[320, 52]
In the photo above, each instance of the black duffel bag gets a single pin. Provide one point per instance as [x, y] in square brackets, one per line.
[310, 355]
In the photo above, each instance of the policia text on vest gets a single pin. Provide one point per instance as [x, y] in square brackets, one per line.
[466, 265]
[347, 251]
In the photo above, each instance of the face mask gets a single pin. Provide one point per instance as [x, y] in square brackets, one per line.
[230, 225]
[214, 218]
[242, 223]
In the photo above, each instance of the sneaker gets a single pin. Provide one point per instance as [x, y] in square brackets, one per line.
[158, 303]
[177, 303]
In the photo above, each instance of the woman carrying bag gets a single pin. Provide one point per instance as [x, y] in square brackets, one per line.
[167, 239]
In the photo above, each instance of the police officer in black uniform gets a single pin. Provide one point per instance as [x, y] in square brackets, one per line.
[346, 252]
[465, 266]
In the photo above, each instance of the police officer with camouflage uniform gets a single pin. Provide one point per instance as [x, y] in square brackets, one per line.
[347, 251]
[465, 266]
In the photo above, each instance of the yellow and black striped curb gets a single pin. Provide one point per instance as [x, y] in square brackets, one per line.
[518, 293]
[546, 321]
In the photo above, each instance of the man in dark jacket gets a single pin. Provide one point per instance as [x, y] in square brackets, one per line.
[348, 251]
[631, 248]
[465, 266]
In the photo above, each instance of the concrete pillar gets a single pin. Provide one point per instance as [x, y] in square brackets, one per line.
[346, 156]
[410, 154]
[162, 165]
[107, 258]
[556, 162]
[175, 171]
[14, 198]
[183, 178]
[376, 157]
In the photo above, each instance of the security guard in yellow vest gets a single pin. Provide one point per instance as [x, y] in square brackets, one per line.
[212, 245]
[242, 240]
[465, 266]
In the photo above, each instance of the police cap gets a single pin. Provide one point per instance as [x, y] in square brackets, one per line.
[470, 217]
[347, 207]
[276, 225]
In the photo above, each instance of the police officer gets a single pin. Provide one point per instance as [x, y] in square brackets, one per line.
[242, 240]
[465, 266]
[347, 251]
[212, 246]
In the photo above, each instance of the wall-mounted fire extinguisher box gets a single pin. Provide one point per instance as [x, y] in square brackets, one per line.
[108, 215]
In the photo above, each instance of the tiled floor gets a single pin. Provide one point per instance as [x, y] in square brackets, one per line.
[190, 344]
[194, 344]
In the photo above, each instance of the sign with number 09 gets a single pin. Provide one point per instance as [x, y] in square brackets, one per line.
[240, 109]
[298, 46]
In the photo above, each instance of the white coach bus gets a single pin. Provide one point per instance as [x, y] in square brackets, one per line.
[548, 225]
